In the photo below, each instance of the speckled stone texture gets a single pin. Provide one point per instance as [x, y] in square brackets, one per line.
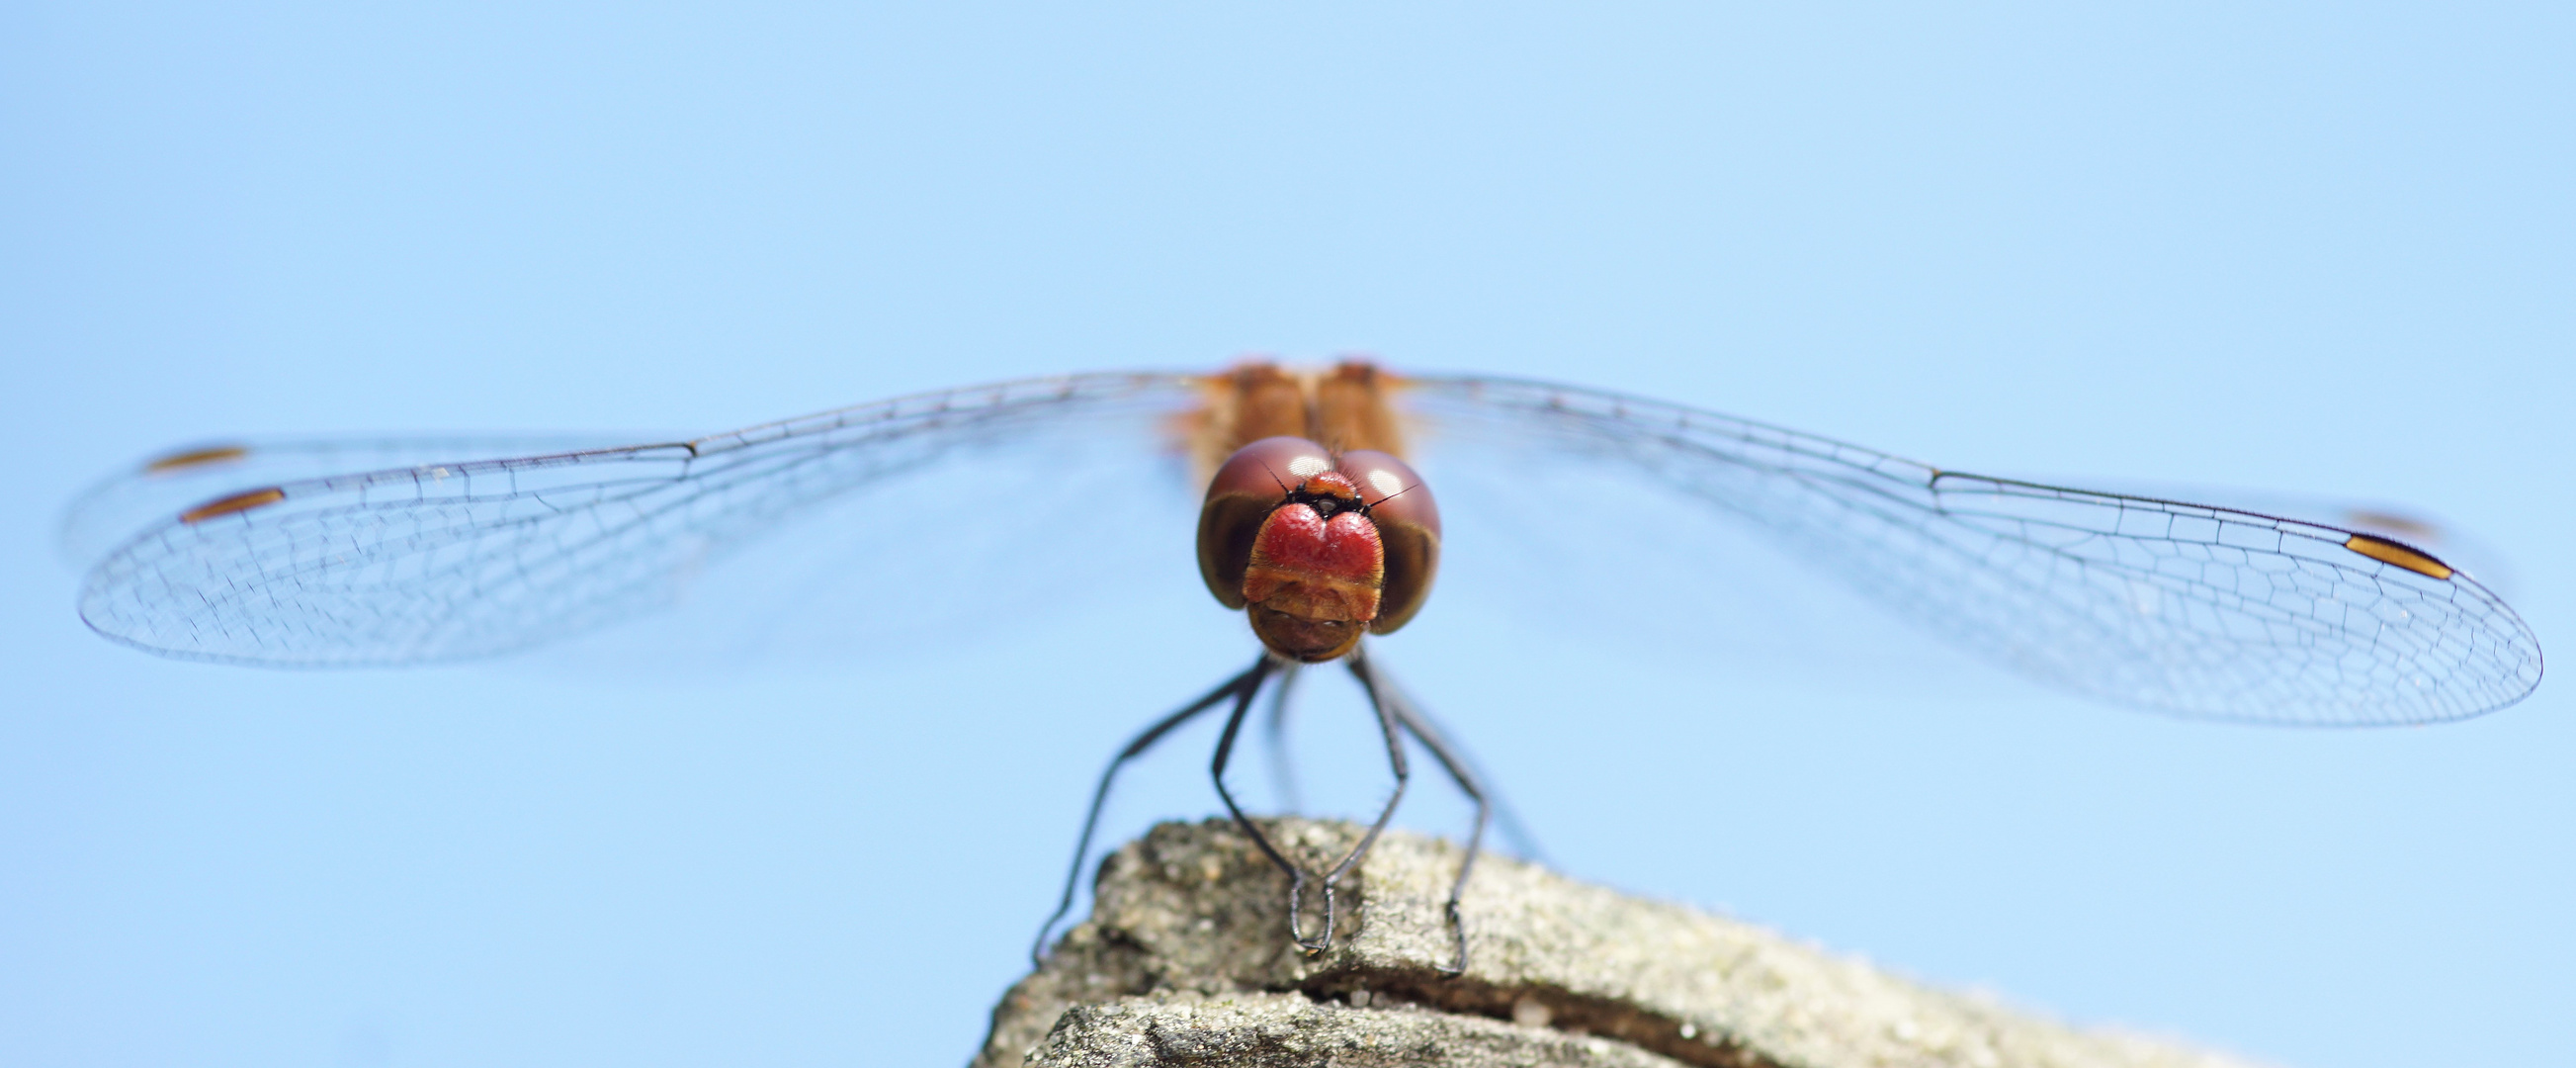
[1186, 961]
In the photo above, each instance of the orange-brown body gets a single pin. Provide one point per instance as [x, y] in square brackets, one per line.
[1343, 409]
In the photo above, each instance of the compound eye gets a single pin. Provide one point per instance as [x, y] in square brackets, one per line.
[1408, 522]
[1247, 486]
[1270, 468]
[1391, 490]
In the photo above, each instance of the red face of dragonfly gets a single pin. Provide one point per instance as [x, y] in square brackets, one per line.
[1318, 549]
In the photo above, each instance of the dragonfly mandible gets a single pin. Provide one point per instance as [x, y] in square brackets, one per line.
[415, 550]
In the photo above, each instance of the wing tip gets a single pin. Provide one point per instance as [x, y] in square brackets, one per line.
[232, 504]
[201, 456]
[2399, 554]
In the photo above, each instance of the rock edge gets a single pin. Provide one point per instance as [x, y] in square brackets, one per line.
[1185, 960]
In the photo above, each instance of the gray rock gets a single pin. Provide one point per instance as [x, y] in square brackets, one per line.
[1186, 960]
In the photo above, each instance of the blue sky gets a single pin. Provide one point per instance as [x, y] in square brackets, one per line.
[2321, 249]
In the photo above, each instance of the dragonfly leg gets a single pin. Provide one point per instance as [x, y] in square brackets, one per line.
[1296, 875]
[1384, 701]
[1461, 772]
[1274, 726]
[1241, 688]
[1506, 818]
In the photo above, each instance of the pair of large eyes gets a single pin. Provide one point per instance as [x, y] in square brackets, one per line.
[1258, 479]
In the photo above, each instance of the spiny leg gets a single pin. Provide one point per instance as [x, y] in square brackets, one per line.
[1462, 773]
[1506, 818]
[1283, 771]
[1241, 688]
[1296, 875]
[1388, 726]
[1384, 704]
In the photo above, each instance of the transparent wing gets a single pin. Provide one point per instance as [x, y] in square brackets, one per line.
[447, 560]
[2189, 609]
[110, 512]
[2457, 546]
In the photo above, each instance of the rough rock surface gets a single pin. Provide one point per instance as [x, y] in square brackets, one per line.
[1186, 961]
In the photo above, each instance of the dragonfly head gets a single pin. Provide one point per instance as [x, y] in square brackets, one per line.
[1318, 548]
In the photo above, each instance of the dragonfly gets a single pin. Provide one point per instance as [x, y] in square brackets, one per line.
[1314, 524]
